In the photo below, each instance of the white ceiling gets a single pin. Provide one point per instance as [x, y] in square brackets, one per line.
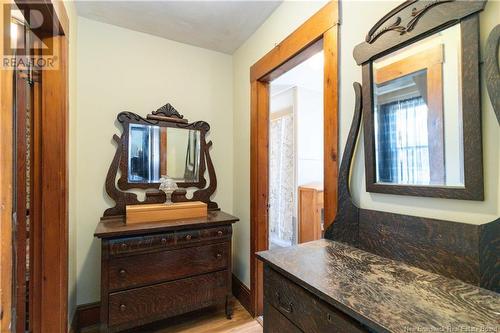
[217, 25]
[308, 74]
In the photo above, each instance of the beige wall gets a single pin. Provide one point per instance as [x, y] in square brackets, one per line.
[72, 241]
[118, 70]
[284, 20]
[357, 18]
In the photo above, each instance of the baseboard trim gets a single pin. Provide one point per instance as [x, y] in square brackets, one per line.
[242, 293]
[73, 325]
[87, 315]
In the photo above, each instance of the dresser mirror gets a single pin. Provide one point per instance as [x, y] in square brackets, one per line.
[154, 151]
[163, 143]
[421, 101]
[418, 113]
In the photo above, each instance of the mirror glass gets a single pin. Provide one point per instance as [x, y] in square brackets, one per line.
[418, 113]
[155, 151]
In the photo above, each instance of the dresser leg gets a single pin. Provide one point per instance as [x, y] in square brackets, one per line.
[229, 307]
[103, 328]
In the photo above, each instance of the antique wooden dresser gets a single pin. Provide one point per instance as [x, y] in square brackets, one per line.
[379, 271]
[328, 286]
[157, 270]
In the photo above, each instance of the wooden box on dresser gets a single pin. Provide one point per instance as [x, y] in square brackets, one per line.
[153, 271]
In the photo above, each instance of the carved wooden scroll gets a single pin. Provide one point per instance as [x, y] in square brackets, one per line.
[492, 69]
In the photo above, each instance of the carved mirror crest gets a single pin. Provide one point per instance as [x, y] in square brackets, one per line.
[162, 144]
[421, 100]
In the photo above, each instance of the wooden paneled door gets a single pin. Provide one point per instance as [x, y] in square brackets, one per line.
[318, 33]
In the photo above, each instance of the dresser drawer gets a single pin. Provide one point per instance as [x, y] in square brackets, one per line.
[275, 322]
[150, 243]
[166, 265]
[193, 236]
[147, 304]
[304, 309]
[140, 244]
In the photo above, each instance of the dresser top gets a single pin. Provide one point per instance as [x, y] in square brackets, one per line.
[384, 294]
[116, 227]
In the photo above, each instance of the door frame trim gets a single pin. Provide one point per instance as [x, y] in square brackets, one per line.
[319, 32]
[53, 278]
[6, 166]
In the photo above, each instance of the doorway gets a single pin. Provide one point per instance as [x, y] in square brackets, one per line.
[296, 154]
[318, 35]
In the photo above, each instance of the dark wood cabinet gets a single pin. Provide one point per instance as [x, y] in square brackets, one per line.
[275, 322]
[302, 311]
[328, 286]
[159, 270]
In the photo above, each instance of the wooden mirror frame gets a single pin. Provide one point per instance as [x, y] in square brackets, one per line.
[166, 116]
[412, 21]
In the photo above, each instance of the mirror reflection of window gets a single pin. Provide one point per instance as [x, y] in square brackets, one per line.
[144, 153]
[418, 116]
[402, 144]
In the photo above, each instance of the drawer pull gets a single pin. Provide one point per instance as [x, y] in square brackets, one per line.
[122, 272]
[188, 237]
[288, 308]
[219, 232]
[219, 255]
[123, 307]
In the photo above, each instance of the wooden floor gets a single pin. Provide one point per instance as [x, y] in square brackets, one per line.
[212, 321]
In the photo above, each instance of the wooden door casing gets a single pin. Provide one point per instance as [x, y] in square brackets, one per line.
[320, 32]
[48, 280]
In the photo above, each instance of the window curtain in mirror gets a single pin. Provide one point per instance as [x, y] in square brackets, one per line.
[192, 157]
[402, 142]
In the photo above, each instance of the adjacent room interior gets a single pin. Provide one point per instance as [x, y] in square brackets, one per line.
[249, 166]
[296, 154]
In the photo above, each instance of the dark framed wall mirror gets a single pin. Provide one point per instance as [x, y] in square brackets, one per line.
[421, 101]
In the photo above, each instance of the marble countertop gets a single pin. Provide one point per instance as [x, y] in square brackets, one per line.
[386, 295]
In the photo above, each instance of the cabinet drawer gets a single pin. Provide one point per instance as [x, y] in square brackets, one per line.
[161, 266]
[147, 304]
[140, 244]
[193, 236]
[304, 309]
[150, 243]
[275, 322]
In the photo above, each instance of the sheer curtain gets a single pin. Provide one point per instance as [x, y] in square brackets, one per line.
[402, 142]
[281, 181]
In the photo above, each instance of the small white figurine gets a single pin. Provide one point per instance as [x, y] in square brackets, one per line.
[168, 185]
